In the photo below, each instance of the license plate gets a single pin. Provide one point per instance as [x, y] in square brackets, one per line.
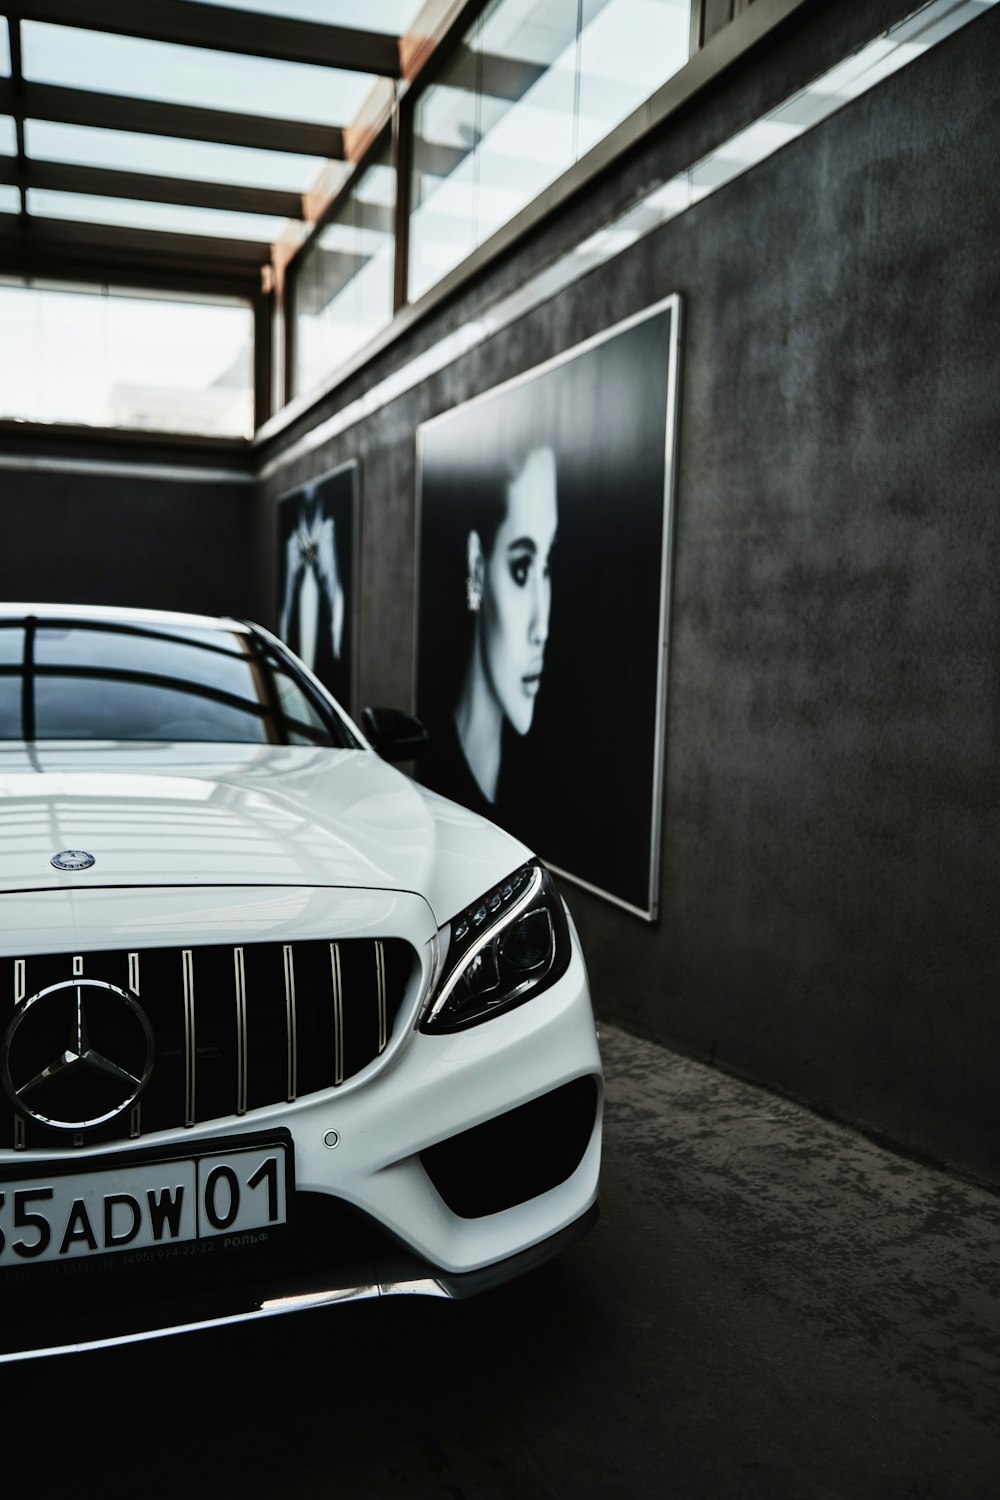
[142, 1205]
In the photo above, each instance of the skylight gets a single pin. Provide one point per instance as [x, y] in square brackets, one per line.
[8, 136]
[4, 46]
[169, 217]
[202, 161]
[10, 199]
[173, 74]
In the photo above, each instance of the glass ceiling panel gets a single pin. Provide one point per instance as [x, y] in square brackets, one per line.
[4, 46]
[8, 136]
[171, 74]
[10, 199]
[125, 151]
[393, 17]
[173, 218]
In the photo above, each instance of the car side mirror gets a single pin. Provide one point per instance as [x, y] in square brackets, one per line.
[395, 735]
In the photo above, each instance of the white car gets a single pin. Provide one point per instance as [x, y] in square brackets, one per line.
[281, 1027]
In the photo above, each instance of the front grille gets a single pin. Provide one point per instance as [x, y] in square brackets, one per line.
[233, 1029]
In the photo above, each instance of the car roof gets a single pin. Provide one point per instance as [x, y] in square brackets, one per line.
[117, 615]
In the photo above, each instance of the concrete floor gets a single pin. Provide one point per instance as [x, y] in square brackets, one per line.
[771, 1307]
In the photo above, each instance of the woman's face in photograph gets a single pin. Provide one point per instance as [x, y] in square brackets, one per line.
[517, 592]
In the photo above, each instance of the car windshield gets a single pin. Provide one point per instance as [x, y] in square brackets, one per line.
[67, 679]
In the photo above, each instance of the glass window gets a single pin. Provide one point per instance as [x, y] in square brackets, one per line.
[173, 74]
[10, 199]
[174, 218]
[111, 359]
[344, 279]
[209, 658]
[443, 185]
[528, 81]
[537, 85]
[11, 644]
[137, 682]
[628, 49]
[10, 708]
[85, 708]
[297, 707]
[4, 47]
[202, 161]
[8, 136]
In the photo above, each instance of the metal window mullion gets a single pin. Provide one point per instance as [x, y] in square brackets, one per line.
[240, 978]
[402, 157]
[337, 991]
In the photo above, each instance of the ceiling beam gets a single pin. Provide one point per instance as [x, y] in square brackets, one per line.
[210, 255]
[44, 101]
[144, 186]
[225, 30]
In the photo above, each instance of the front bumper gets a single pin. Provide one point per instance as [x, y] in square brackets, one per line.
[366, 1218]
[126, 1309]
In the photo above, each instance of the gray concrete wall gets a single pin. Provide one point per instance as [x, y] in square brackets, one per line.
[828, 918]
[88, 522]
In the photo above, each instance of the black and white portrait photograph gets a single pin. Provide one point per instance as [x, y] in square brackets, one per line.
[315, 591]
[545, 521]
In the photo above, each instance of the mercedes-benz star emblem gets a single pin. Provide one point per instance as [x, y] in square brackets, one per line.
[55, 1075]
[72, 859]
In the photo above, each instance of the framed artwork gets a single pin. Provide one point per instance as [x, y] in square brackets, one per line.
[545, 517]
[315, 549]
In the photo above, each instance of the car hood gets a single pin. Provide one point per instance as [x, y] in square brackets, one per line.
[239, 815]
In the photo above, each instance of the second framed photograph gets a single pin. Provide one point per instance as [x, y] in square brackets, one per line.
[315, 546]
[544, 553]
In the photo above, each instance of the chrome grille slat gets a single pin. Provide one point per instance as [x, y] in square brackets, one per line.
[236, 1028]
[336, 983]
[290, 1021]
[190, 1058]
[241, 1031]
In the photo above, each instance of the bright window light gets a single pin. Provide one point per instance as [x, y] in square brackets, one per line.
[171, 218]
[4, 47]
[10, 199]
[111, 359]
[172, 74]
[8, 136]
[201, 161]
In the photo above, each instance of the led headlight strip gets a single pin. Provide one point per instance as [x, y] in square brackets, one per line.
[479, 933]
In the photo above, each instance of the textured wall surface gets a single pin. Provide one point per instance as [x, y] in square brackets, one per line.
[828, 919]
[126, 537]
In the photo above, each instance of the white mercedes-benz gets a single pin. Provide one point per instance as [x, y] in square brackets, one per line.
[280, 1027]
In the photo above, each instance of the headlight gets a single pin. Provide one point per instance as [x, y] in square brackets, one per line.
[505, 949]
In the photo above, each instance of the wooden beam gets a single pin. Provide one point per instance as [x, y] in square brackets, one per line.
[436, 21]
[44, 101]
[146, 187]
[223, 30]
